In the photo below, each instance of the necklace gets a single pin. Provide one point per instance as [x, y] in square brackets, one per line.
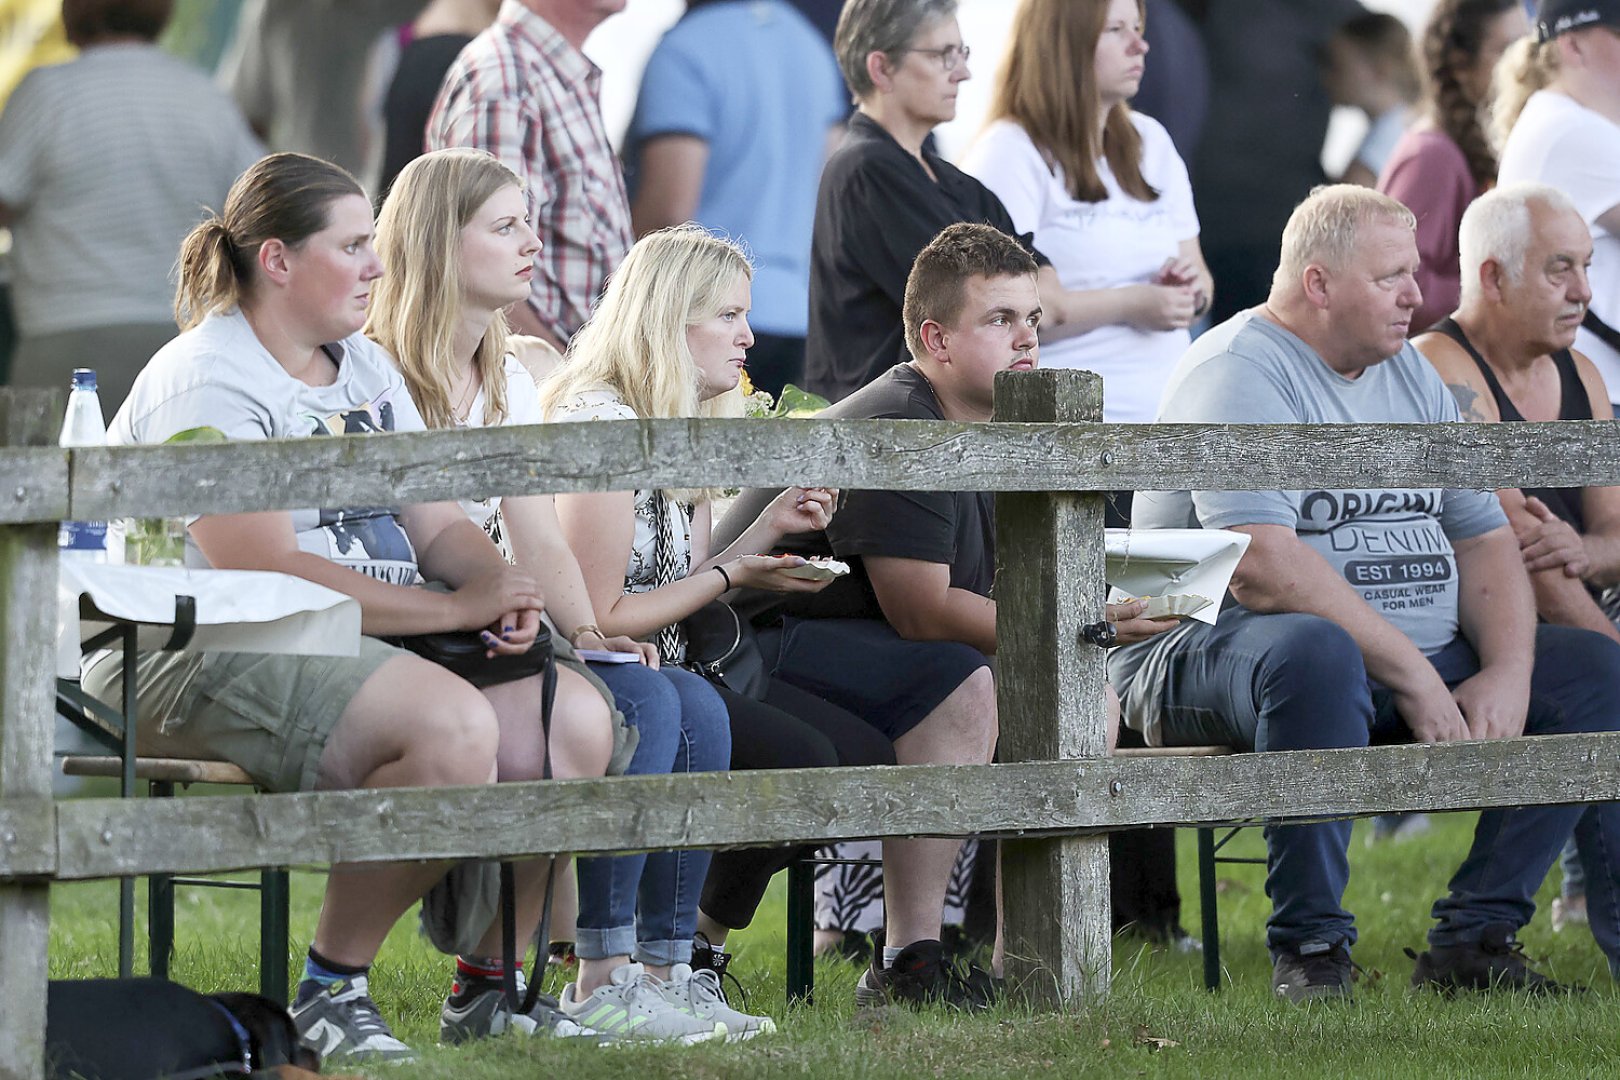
[463, 405]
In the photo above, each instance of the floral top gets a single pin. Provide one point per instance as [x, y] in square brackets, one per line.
[640, 574]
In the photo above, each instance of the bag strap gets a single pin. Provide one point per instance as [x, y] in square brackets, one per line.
[548, 698]
[508, 876]
[667, 567]
[1601, 330]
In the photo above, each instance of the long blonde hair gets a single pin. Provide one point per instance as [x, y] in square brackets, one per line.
[1047, 85]
[634, 343]
[1527, 66]
[416, 305]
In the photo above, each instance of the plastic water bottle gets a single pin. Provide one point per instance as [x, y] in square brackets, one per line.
[83, 426]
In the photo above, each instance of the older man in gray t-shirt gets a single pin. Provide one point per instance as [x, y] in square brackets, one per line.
[1395, 613]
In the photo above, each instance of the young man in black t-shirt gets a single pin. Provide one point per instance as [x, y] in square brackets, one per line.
[904, 641]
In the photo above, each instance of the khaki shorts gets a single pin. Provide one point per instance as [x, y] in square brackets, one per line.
[268, 715]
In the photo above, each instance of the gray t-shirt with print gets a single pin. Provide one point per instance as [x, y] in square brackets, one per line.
[1393, 545]
[219, 375]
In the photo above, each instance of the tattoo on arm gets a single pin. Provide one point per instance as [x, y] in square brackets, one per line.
[1466, 397]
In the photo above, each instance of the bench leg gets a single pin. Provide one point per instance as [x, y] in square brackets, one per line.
[160, 907]
[801, 932]
[126, 927]
[274, 900]
[1209, 910]
[160, 923]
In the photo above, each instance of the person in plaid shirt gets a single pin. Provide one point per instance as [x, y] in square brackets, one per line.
[524, 91]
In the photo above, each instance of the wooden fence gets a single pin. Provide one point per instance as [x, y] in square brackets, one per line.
[1054, 798]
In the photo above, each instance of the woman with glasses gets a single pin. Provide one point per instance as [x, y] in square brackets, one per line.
[1103, 191]
[885, 193]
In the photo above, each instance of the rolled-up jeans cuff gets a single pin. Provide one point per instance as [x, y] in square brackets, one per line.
[663, 953]
[594, 944]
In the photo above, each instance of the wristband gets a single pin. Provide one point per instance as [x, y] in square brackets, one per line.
[586, 628]
[723, 575]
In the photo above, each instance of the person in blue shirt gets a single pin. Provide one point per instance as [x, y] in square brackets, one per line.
[740, 104]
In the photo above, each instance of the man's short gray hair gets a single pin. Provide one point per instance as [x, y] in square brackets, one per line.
[1497, 226]
[1323, 230]
[885, 26]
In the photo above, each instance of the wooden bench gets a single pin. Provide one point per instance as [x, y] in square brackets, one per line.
[802, 880]
[162, 775]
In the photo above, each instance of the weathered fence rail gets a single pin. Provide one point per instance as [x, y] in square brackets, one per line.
[1056, 795]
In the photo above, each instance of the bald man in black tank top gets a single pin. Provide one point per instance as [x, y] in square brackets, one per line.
[1505, 354]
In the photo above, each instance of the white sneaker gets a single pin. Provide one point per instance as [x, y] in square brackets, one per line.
[633, 1005]
[698, 993]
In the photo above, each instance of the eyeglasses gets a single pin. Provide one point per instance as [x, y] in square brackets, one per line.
[950, 57]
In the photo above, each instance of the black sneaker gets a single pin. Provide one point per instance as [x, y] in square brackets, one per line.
[478, 1009]
[1494, 962]
[1316, 971]
[920, 976]
[707, 956]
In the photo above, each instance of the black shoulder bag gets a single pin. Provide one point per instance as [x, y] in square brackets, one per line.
[714, 641]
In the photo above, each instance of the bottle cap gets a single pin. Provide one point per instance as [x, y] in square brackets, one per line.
[84, 379]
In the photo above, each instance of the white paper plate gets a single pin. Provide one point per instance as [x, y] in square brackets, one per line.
[818, 570]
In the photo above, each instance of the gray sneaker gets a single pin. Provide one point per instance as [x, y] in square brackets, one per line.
[342, 1023]
[633, 1005]
[698, 993]
[478, 1010]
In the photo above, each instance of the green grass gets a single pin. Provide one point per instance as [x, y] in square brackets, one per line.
[1388, 1031]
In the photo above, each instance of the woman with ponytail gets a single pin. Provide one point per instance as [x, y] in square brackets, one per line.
[272, 296]
[1558, 116]
[1445, 160]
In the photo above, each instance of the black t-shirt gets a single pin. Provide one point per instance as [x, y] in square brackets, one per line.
[875, 211]
[422, 67]
[956, 528]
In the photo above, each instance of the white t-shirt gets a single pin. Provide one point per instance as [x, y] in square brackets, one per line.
[1103, 245]
[522, 407]
[219, 375]
[640, 575]
[1560, 142]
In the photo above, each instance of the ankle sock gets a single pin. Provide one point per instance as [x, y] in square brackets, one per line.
[482, 967]
[321, 972]
[890, 953]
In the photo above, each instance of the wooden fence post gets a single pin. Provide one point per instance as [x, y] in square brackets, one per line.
[1049, 583]
[27, 720]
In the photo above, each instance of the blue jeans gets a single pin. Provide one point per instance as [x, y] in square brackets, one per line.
[1297, 682]
[645, 906]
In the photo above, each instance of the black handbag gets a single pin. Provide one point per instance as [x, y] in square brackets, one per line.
[722, 647]
[461, 652]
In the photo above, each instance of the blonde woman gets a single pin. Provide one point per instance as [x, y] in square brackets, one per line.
[455, 233]
[669, 339]
[1557, 116]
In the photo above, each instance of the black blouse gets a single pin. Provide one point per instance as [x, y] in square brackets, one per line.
[877, 208]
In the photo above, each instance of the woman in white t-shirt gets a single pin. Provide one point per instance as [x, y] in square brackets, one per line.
[1103, 190]
[1557, 116]
[454, 232]
[272, 296]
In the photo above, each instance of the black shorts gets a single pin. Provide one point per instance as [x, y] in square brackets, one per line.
[864, 666]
